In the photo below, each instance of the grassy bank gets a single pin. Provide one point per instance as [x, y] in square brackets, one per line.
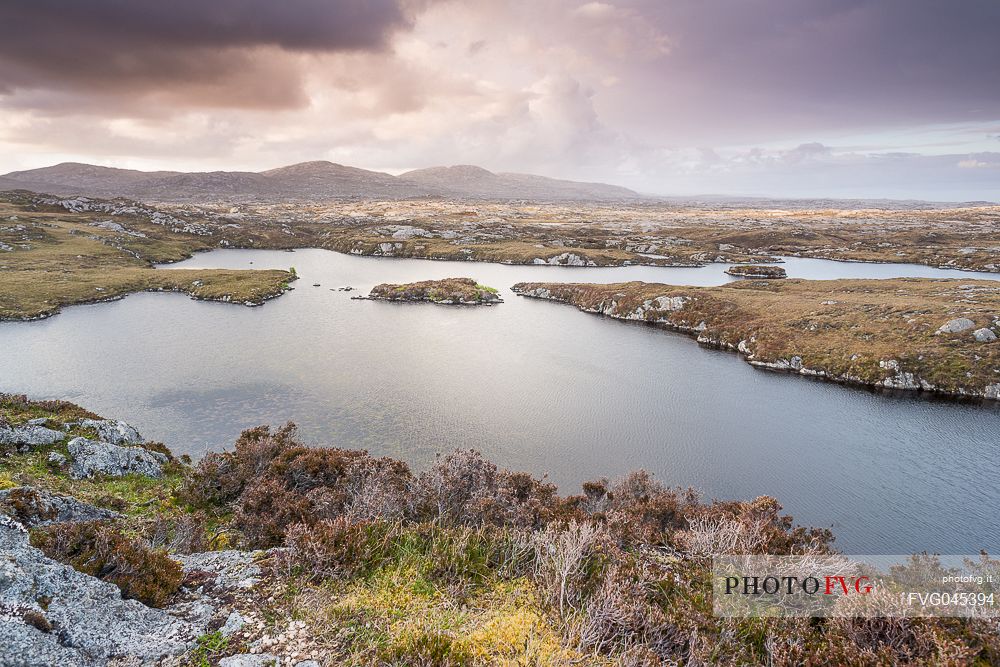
[51, 257]
[464, 563]
[874, 332]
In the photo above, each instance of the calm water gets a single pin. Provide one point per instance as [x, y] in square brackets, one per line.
[535, 385]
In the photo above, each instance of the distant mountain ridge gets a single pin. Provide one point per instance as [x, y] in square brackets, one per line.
[317, 180]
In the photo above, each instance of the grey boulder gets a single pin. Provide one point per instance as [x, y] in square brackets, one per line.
[36, 507]
[232, 570]
[101, 458]
[29, 435]
[984, 335]
[957, 325]
[234, 623]
[50, 614]
[113, 431]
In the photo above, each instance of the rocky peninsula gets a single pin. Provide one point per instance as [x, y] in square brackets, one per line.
[115, 552]
[52, 257]
[936, 336]
[448, 291]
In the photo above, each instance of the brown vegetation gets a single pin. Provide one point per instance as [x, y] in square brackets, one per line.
[101, 550]
[617, 575]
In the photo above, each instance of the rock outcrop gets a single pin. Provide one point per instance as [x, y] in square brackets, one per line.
[229, 569]
[29, 436]
[50, 614]
[91, 458]
[113, 431]
[957, 325]
[37, 507]
[565, 259]
[984, 335]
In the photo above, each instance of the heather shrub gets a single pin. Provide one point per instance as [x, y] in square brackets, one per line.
[620, 574]
[626, 609]
[456, 489]
[567, 562]
[751, 527]
[270, 481]
[524, 502]
[377, 488]
[463, 488]
[266, 509]
[641, 510]
[100, 550]
[220, 478]
[304, 468]
[183, 534]
[337, 547]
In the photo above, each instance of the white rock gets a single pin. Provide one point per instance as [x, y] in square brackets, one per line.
[250, 660]
[957, 325]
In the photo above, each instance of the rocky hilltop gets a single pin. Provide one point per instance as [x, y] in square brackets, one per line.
[309, 181]
[449, 291]
[937, 336]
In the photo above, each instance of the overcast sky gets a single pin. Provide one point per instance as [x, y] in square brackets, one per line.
[873, 98]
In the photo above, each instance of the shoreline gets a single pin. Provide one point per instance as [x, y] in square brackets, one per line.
[894, 377]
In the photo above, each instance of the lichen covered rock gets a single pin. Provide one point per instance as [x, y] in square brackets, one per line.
[37, 507]
[92, 458]
[114, 431]
[29, 435]
[50, 614]
[957, 325]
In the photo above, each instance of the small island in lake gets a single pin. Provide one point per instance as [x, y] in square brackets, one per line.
[448, 291]
[754, 271]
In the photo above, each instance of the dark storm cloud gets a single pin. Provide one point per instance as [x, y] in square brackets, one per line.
[136, 45]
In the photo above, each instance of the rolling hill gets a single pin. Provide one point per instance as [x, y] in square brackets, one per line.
[319, 180]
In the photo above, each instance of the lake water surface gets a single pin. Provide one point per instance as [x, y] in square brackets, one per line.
[534, 385]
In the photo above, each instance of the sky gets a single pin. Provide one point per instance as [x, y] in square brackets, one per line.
[798, 98]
